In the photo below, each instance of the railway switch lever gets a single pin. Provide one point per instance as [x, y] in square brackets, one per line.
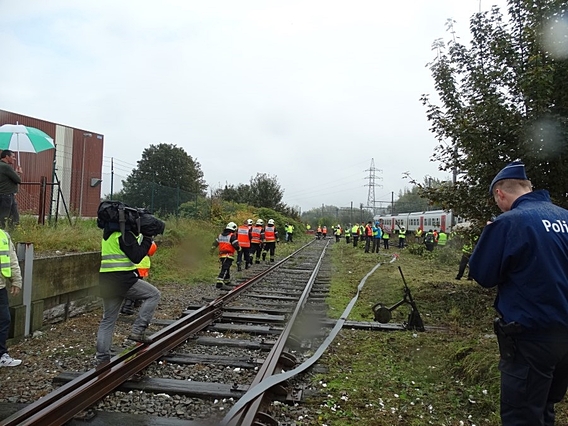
[383, 314]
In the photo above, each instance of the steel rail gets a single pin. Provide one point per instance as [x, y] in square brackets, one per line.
[247, 414]
[64, 403]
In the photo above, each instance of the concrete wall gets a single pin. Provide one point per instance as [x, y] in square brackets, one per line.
[61, 288]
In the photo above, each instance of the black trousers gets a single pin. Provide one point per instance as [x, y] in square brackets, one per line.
[269, 247]
[244, 252]
[533, 380]
[367, 244]
[255, 250]
[463, 264]
[225, 272]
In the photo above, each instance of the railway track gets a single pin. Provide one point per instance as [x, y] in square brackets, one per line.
[234, 349]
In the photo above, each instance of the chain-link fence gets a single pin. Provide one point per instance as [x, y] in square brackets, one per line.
[165, 200]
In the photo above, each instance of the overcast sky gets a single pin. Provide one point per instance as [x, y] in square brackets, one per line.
[306, 91]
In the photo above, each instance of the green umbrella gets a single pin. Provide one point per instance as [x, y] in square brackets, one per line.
[19, 138]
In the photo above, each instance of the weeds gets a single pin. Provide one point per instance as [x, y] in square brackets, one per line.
[447, 377]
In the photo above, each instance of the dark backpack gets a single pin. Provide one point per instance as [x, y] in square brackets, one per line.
[117, 216]
[429, 238]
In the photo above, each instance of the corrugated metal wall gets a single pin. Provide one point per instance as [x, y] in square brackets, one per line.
[76, 160]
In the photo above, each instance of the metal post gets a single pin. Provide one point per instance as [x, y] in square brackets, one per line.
[25, 253]
[111, 175]
[85, 135]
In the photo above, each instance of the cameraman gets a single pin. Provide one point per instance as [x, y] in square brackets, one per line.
[119, 279]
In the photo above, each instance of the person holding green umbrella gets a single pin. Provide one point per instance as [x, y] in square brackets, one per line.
[16, 138]
[10, 178]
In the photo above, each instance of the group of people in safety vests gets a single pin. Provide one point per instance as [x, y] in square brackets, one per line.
[251, 242]
[371, 234]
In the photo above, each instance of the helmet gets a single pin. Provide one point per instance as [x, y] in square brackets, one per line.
[271, 221]
[260, 222]
[249, 222]
[232, 226]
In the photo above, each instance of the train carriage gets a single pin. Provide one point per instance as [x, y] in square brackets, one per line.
[436, 219]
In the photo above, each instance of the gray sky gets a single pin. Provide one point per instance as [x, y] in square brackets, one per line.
[307, 91]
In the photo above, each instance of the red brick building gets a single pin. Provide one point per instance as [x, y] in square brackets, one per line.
[72, 171]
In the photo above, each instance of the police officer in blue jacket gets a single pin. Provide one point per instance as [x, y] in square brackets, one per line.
[524, 252]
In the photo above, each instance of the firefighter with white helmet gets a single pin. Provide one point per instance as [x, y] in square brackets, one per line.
[228, 244]
[256, 240]
[270, 240]
[244, 237]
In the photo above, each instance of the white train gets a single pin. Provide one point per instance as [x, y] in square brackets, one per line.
[436, 219]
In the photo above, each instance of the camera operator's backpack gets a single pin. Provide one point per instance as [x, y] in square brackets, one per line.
[117, 216]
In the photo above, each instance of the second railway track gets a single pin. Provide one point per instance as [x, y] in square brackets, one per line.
[217, 352]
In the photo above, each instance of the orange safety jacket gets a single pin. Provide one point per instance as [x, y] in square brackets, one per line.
[270, 234]
[243, 235]
[226, 247]
[368, 230]
[256, 234]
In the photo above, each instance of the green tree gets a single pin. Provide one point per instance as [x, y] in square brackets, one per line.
[501, 98]
[413, 201]
[262, 191]
[333, 215]
[166, 177]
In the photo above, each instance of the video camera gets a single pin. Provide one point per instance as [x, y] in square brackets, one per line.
[117, 216]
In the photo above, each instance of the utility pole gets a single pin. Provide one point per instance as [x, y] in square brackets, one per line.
[111, 175]
[371, 202]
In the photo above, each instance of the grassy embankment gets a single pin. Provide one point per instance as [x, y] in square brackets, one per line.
[184, 253]
[405, 377]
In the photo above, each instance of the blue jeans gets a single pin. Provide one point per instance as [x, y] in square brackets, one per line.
[142, 290]
[5, 320]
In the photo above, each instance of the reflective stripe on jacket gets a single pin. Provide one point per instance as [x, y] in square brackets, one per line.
[113, 258]
[5, 255]
[226, 248]
[269, 234]
[243, 236]
[256, 235]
